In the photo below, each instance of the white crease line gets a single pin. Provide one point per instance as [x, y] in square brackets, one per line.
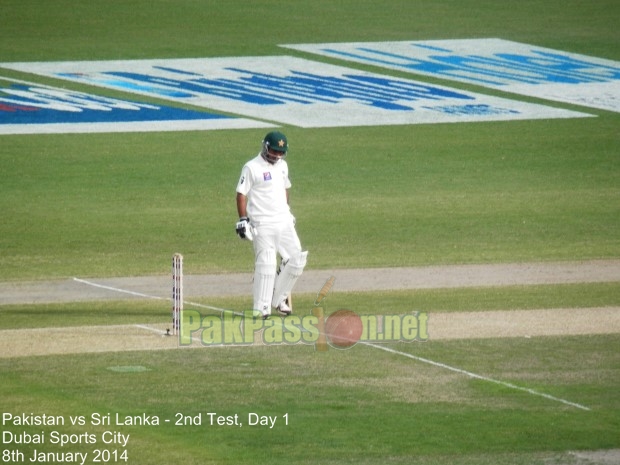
[160, 332]
[115, 289]
[153, 330]
[223, 310]
[480, 377]
[148, 296]
[387, 349]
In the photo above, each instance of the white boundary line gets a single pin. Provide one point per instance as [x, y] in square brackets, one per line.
[376, 346]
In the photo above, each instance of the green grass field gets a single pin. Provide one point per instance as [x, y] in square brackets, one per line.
[103, 205]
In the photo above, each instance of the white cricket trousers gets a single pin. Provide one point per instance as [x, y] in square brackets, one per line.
[271, 239]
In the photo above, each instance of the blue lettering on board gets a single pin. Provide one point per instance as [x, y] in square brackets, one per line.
[28, 104]
[499, 69]
[298, 87]
[480, 110]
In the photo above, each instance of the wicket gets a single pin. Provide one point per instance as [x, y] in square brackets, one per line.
[177, 292]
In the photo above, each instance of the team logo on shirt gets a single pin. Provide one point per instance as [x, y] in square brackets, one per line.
[267, 176]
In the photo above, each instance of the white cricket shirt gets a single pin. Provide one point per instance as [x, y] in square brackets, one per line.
[265, 186]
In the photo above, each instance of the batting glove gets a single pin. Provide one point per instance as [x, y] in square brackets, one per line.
[243, 228]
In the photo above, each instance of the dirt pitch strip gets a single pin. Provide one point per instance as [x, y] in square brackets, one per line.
[513, 323]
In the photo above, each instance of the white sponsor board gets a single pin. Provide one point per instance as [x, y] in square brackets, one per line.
[501, 64]
[28, 108]
[294, 91]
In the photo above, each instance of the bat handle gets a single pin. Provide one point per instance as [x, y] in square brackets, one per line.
[324, 291]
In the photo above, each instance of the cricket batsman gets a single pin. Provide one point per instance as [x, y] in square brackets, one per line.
[265, 219]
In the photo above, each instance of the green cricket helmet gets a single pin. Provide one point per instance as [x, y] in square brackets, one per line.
[274, 141]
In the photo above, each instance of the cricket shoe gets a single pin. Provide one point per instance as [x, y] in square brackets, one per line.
[259, 314]
[284, 309]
